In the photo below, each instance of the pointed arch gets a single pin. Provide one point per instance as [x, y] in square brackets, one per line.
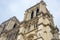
[37, 11]
[32, 14]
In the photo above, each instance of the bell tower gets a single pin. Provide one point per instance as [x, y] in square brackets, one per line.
[38, 24]
[35, 10]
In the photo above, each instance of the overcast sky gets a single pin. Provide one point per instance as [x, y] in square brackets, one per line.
[10, 8]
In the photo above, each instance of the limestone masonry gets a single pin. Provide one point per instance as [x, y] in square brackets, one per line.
[38, 24]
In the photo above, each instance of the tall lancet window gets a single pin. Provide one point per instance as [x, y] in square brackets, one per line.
[37, 12]
[32, 14]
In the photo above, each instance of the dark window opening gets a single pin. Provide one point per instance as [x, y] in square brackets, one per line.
[14, 25]
[32, 14]
[37, 11]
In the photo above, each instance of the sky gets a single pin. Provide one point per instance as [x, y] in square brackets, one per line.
[10, 8]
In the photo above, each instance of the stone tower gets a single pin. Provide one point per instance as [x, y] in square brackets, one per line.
[38, 24]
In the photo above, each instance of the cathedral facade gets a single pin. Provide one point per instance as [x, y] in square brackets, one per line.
[38, 24]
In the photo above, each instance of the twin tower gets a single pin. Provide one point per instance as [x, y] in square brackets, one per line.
[38, 24]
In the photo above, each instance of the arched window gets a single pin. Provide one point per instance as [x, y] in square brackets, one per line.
[14, 25]
[32, 14]
[37, 11]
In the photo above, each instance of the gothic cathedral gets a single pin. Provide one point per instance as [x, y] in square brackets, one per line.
[38, 24]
